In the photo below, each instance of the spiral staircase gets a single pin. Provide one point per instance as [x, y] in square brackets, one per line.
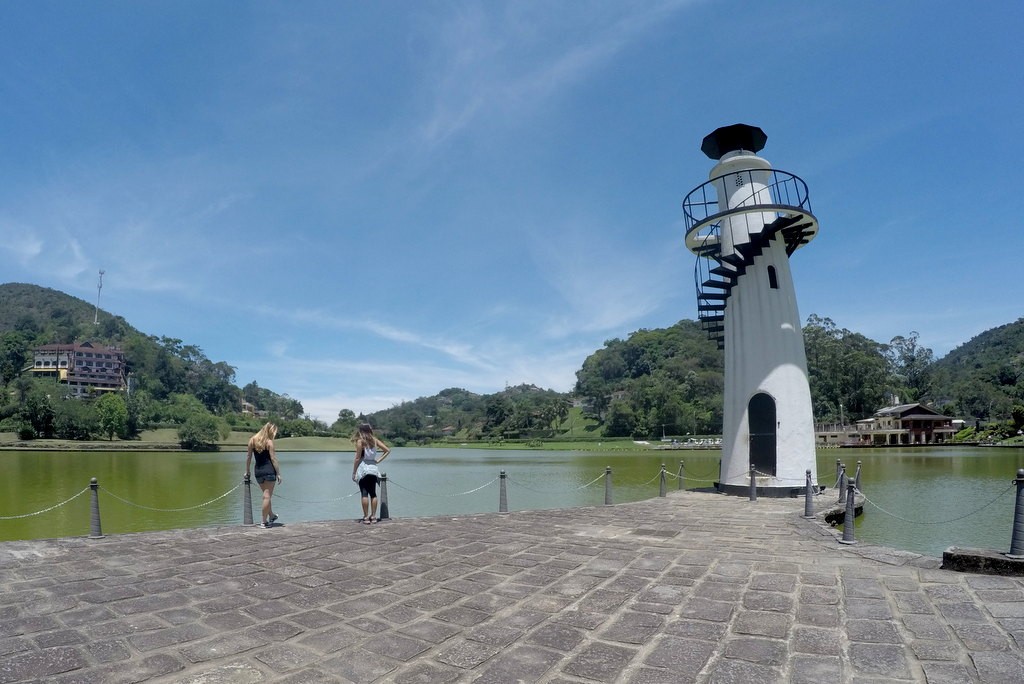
[715, 274]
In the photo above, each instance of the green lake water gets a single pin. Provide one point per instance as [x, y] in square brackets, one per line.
[920, 499]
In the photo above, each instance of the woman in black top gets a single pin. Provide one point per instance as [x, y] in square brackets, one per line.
[267, 471]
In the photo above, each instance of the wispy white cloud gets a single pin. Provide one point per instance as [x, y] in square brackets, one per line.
[21, 243]
[501, 63]
[600, 284]
[367, 385]
[59, 256]
[155, 227]
[461, 351]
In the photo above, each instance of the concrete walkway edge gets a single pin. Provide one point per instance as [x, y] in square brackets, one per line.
[692, 587]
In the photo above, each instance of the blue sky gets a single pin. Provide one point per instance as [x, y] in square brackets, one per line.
[361, 203]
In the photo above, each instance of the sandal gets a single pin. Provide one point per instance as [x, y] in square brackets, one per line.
[365, 521]
[372, 520]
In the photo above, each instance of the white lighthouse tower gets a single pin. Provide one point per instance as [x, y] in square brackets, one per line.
[743, 225]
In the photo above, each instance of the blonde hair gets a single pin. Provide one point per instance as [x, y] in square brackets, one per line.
[266, 434]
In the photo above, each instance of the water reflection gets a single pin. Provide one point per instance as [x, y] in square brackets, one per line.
[926, 500]
[921, 500]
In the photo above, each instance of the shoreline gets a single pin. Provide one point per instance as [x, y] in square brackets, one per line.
[164, 440]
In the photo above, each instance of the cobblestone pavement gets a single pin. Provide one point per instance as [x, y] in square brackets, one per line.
[693, 587]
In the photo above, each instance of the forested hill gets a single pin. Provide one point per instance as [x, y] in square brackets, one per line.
[56, 317]
[985, 376]
[654, 382]
[660, 381]
[172, 378]
[670, 382]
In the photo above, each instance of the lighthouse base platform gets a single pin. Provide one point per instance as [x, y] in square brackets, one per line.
[785, 492]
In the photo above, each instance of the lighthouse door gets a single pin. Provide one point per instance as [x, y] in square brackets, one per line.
[761, 417]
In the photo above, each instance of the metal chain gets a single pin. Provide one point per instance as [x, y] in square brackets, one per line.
[596, 479]
[651, 480]
[531, 489]
[340, 498]
[702, 478]
[45, 510]
[471, 491]
[554, 491]
[746, 473]
[780, 479]
[169, 510]
[936, 522]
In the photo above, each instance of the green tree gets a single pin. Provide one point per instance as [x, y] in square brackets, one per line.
[75, 419]
[1017, 416]
[498, 410]
[346, 423]
[215, 387]
[847, 372]
[113, 415]
[37, 409]
[562, 408]
[179, 407]
[910, 366]
[139, 407]
[14, 355]
[621, 420]
[200, 432]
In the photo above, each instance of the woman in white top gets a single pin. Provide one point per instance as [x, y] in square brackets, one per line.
[369, 452]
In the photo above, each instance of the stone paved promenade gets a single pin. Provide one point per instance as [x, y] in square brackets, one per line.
[691, 587]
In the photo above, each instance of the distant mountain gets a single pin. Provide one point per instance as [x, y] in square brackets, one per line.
[31, 315]
[51, 316]
[984, 377]
[655, 381]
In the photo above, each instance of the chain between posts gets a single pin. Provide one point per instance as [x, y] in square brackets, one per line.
[443, 496]
[170, 510]
[937, 522]
[555, 491]
[318, 501]
[45, 510]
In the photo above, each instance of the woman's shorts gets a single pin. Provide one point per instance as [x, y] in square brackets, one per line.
[266, 478]
[368, 486]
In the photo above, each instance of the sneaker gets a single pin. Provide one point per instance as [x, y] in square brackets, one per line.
[273, 518]
[265, 525]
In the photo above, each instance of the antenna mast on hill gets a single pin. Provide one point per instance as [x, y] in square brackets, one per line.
[99, 287]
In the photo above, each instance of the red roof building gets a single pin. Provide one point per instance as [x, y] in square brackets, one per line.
[85, 368]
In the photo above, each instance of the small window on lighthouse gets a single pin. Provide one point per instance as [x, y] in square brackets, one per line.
[773, 280]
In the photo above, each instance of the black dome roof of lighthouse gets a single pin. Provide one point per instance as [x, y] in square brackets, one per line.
[731, 138]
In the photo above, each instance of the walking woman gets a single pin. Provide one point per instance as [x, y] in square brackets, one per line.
[267, 471]
[369, 452]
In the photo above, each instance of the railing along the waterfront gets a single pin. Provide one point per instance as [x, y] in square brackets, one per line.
[848, 488]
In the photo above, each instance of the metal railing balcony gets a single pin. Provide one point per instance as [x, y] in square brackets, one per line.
[777, 204]
[784, 193]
